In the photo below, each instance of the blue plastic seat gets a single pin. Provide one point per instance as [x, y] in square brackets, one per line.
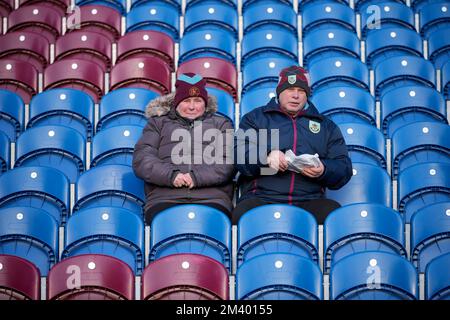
[175, 3]
[362, 227]
[279, 276]
[385, 14]
[159, 16]
[327, 14]
[125, 106]
[362, 4]
[111, 231]
[420, 142]
[256, 97]
[408, 104]
[208, 43]
[12, 114]
[280, 15]
[421, 185]
[264, 72]
[119, 5]
[225, 102]
[329, 42]
[365, 143]
[369, 183]
[29, 233]
[110, 185]
[437, 279]
[67, 107]
[268, 43]
[346, 104]
[210, 14]
[277, 228]
[384, 43]
[5, 152]
[445, 83]
[402, 71]
[417, 5]
[430, 236]
[115, 145]
[439, 47]
[36, 187]
[434, 16]
[333, 72]
[373, 275]
[304, 4]
[191, 228]
[189, 3]
[52, 146]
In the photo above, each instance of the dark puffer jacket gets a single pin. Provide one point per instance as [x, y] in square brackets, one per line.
[153, 161]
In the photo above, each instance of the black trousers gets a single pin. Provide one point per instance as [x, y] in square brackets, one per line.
[320, 208]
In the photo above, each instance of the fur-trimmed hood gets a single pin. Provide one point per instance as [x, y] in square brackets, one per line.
[161, 106]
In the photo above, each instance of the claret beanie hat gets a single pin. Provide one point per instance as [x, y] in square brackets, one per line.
[190, 85]
[294, 76]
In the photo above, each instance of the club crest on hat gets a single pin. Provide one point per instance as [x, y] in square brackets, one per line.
[194, 92]
[292, 79]
[314, 126]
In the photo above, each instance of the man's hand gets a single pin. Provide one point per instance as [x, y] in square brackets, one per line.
[183, 180]
[277, 161]
[188, 182]
[313, 172]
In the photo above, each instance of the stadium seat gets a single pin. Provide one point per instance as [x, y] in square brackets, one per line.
[26, 46]
[277, 228]
[420, 142]
[29, 233]
[333, 72]
[175, 3]
[327, 14]
[246, 4]
[125, 106]
[207, 15]
[346, 104]
[268, 43]
[119, 5]
[419, 4]
[142, 72]
[36, 187]
[97, 18]
[110, 231]
[91, 277]
[85, 45]
[263, 72]
[255, 98]
[146, 43]
[434, 16]
[19, 77]
[385, 14]
[224, 101]
[5, 152]
[280, 15]
[185, 277]
[402, 71]
[373, 275]
[208, 43]
[12, 114]
[330, 42]
[409, 104]
[369, 183]
[430, 237]
[59, 5]
[384, 43]
[158, 16]
[19, 279]
[437, 276]
[115, 145]
[86, 76]
[218, 73]
[110, 185]
[445, 83]
[39, 18]
[6, 6]
[191, 228]
[421, 185]
[362, 227]
[279, 276]
[52, 146]
[65, 107]
[303, 4]
[365, 143]
[439, 46]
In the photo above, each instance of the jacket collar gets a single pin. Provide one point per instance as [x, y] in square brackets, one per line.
[309, 111]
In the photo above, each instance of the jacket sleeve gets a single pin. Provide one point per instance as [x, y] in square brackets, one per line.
[338, 166]
[146, 163]
[215, 174]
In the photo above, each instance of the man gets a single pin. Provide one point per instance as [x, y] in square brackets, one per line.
[303, 130]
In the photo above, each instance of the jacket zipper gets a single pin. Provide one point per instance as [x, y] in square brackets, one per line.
[191, 127]
[291, 187]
